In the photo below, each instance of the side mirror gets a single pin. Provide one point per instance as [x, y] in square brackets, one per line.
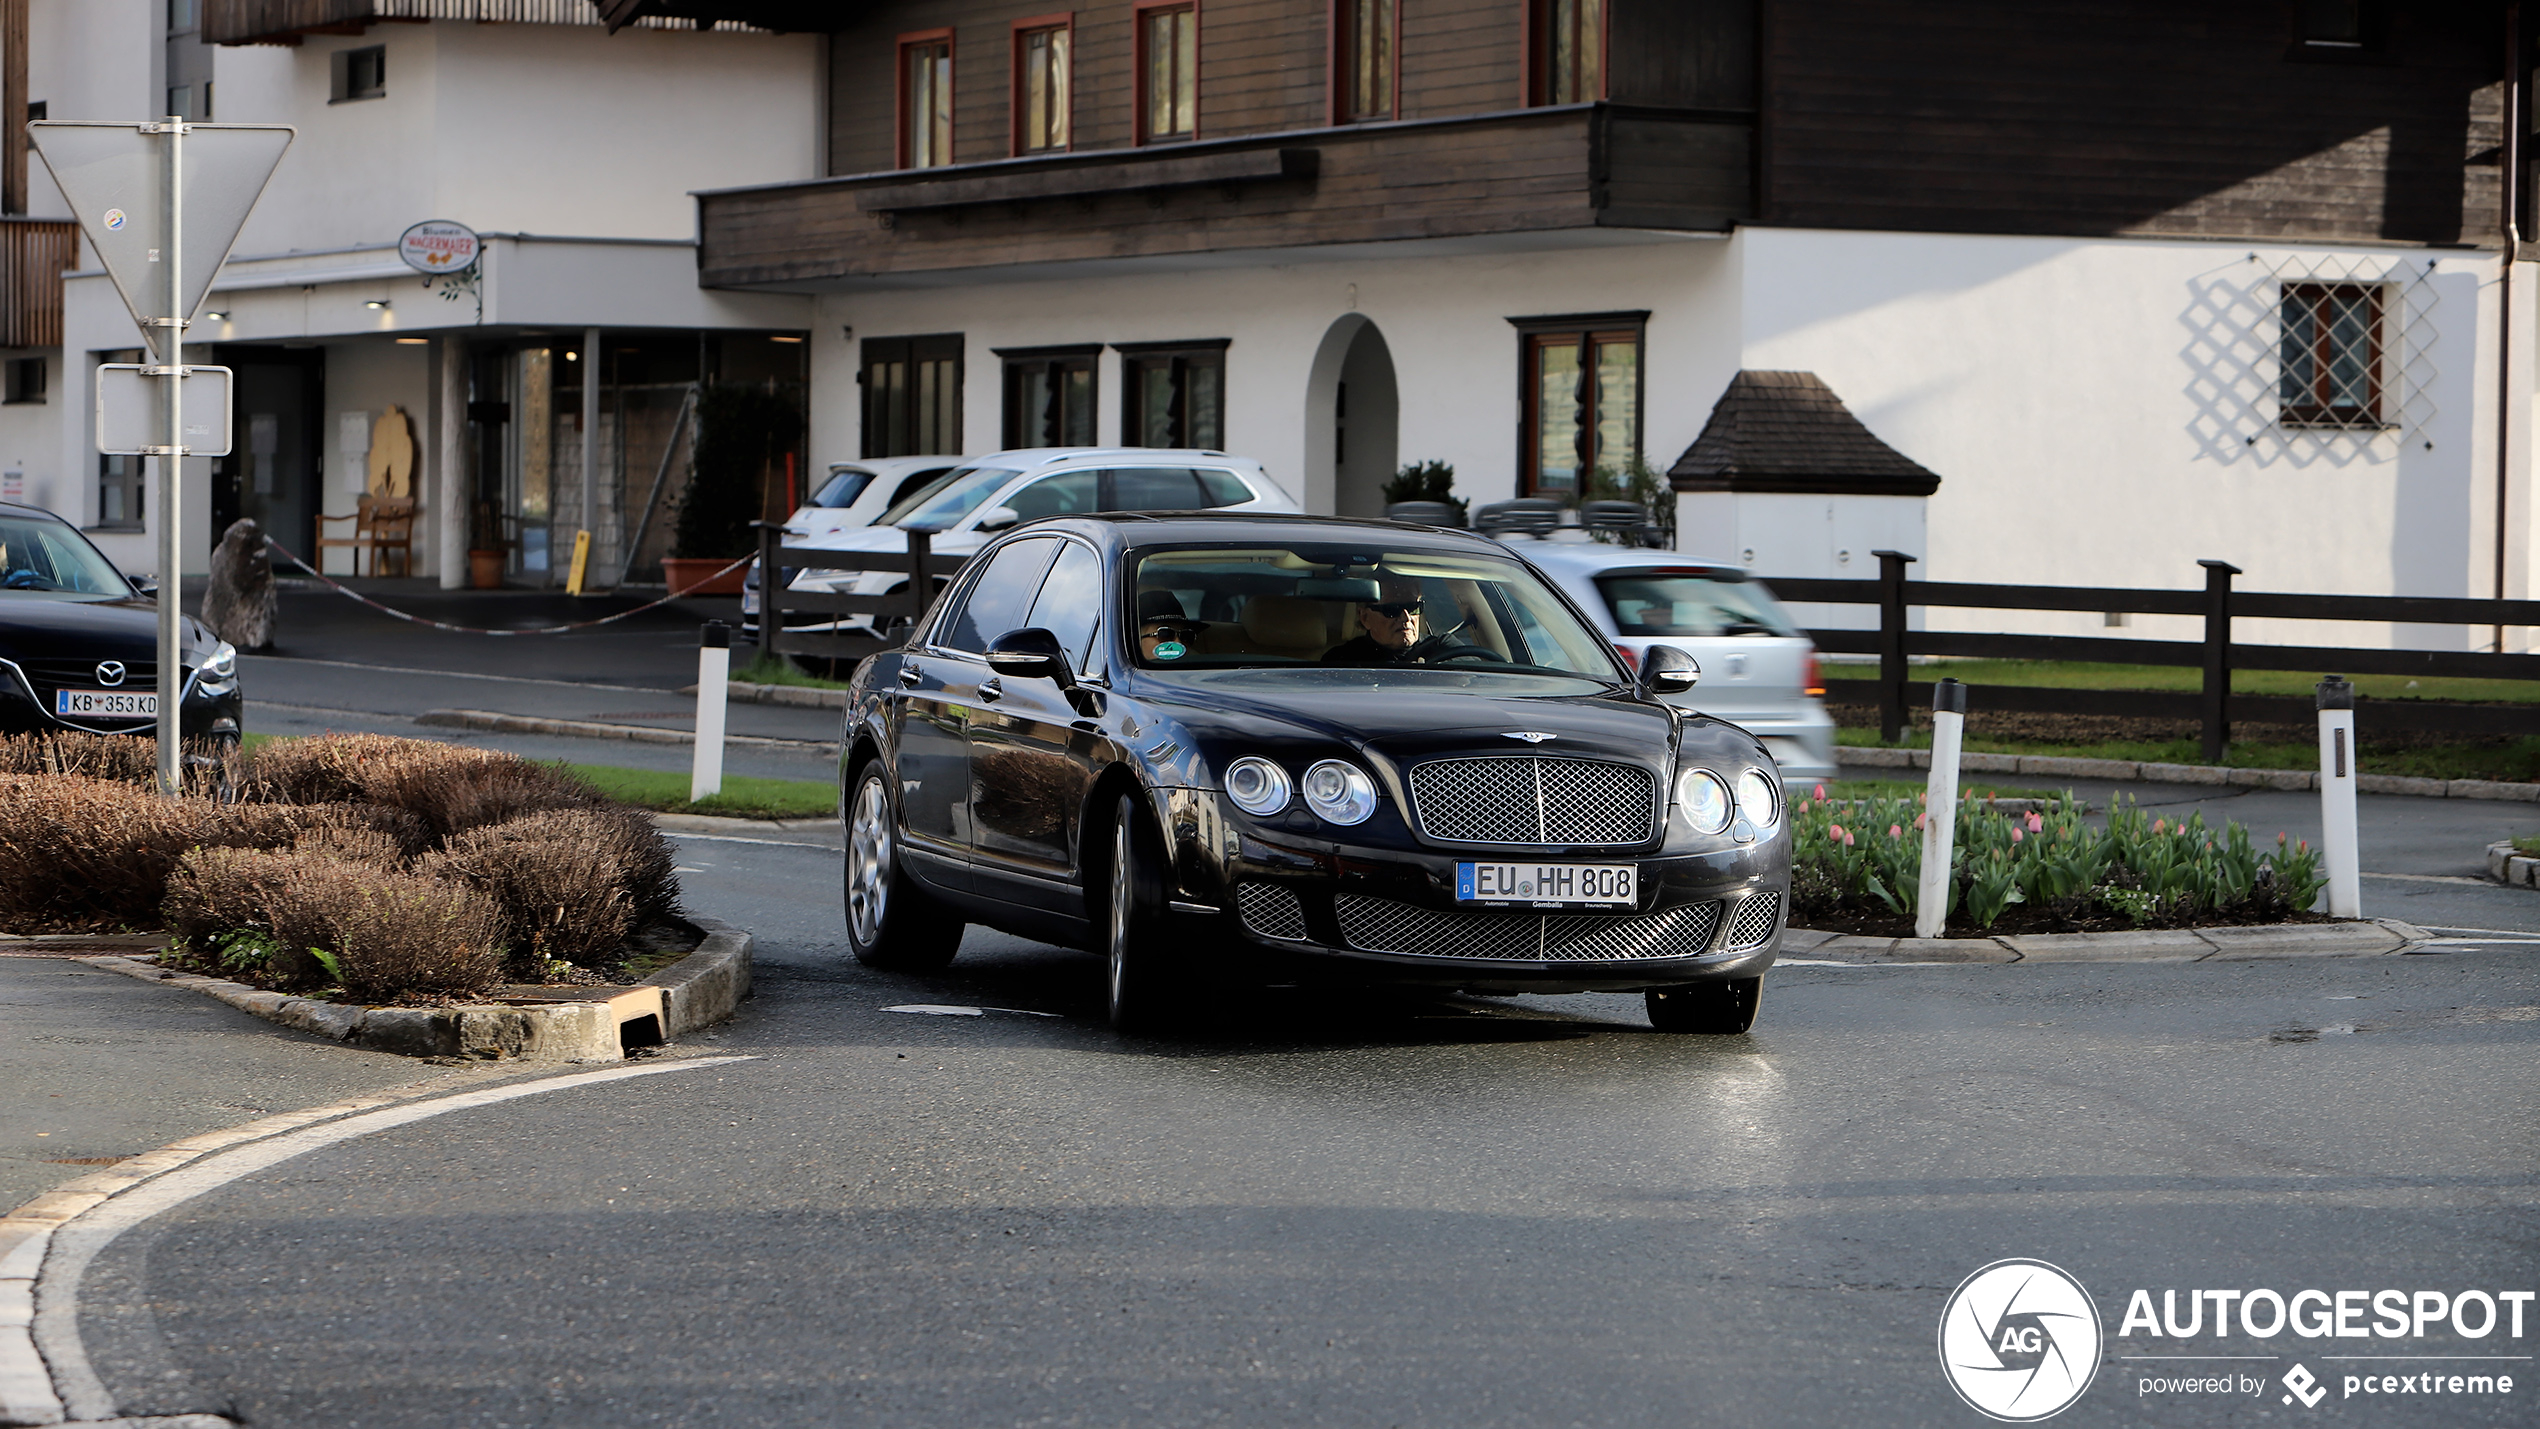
[1666, 670]
[997, 518]
[1031, 654]
[142, 585]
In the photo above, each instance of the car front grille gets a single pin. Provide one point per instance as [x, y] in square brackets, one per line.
[49, 676]
[1753, 924]
[1382, 925]
[1270, 910]
[1525, 799]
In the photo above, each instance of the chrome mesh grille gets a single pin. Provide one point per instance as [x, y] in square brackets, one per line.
[1753, 924]
[1523, 799]
[1381, 925]
[1270, 910]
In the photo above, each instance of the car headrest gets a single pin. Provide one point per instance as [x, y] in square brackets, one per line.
[1160, 605]
[1285, 620]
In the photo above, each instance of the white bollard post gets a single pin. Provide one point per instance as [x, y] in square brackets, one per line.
[714, 687]
[2337, 798]
[1940, 806]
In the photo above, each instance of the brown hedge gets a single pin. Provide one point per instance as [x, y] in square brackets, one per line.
[391, 932]
[450, 787]
[572, 883]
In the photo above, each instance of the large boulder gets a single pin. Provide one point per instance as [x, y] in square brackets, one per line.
[239, 606]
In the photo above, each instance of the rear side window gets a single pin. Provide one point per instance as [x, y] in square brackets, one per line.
[997, 601]
[1691, 603]
[1152, 488]
[1223, 488]
[844, 486]
[916, 482]
[1066, 494]
[1070, 606]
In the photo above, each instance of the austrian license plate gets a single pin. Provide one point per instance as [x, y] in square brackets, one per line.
[107, 704]
[1548, 885]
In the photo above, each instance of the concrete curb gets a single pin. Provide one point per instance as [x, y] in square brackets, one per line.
[818, 833]
[801, 696]
[699, 990]
[2516, 870]
[2363, 938]
[496, 723]
[2154, 773]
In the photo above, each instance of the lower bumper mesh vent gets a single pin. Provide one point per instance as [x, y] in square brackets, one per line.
[1753, 924]
[1382, 925]
[1271, 911]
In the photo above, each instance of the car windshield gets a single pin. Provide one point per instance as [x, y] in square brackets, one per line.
[1357, 606]
[845, 484]
[955, 495]
[1692, 602]
[38, 555]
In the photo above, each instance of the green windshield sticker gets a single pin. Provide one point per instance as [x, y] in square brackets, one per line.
[1170, 650]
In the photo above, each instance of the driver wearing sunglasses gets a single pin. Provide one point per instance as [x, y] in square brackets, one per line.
[1392, 636]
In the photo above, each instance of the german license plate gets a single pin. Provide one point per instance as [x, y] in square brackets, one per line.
[107, 704]
[1548, 885]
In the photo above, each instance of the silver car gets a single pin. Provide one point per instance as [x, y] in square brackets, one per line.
[1759, 670]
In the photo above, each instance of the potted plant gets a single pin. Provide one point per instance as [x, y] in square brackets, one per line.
[740, 429]
[486, 548]
[1425, 492]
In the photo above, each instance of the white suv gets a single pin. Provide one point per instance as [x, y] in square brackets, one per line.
[967, 508]
[1759, 671]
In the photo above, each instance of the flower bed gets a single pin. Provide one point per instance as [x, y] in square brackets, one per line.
[377, 869]
[1857, 868]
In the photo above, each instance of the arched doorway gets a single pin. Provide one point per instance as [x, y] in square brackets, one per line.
[1352, 417]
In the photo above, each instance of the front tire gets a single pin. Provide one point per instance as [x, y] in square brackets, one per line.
[1145, 993]
[1720, 1008]
[891, 922]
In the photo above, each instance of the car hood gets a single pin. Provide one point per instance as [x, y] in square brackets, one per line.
[42, 628]
[891, 538]
[1404, 726]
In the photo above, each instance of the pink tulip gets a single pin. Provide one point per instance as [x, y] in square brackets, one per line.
[2160, 826]
[1836, 833]
[1820, 795]
[1847, 840]
[1923, 797]
[2036, 822]
[1922, 821]
[1897, 833]
[2016, 836]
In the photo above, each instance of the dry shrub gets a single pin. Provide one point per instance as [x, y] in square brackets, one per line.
[451, 788]
[80, 853]
[573, 883]
[210, 766]
[389, 932]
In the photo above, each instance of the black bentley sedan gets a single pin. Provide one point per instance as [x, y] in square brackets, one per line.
[79, 643]
[1231, 750]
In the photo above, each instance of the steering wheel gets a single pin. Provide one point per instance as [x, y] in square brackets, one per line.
[23, 580]
[1468, 652]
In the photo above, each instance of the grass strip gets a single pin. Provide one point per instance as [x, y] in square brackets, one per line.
[666, 790]
[766, 671]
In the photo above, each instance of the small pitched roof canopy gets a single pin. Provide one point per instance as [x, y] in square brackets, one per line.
[1788, 432]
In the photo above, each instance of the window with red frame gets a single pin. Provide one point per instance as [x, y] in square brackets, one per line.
[1043, 89]
[1567, 44]
[1363, 41]
[926, 99]
[2331, 355]
[1168, 73]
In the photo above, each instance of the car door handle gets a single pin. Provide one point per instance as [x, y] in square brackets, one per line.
[990, 690]
[910, 677]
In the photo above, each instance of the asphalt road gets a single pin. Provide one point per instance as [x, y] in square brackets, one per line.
[1437, 1211]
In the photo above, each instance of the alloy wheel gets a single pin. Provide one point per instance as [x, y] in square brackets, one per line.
[869, 861]
[1120, 896]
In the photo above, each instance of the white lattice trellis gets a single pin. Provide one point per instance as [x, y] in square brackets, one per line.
[2235, 324]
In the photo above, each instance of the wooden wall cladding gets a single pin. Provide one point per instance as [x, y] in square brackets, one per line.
[1576, 167]
[2083, 117]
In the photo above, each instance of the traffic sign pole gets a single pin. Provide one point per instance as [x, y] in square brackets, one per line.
[171, 348]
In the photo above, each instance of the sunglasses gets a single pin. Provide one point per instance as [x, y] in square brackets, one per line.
[1394, 609]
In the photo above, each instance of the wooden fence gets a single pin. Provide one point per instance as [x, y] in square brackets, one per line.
[2213, 705]
[926, 573]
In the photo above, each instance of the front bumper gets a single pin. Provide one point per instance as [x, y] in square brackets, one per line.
[1328, 914]
[220, 710]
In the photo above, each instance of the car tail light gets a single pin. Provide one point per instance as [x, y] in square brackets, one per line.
[1809, 677]
[1631, 661]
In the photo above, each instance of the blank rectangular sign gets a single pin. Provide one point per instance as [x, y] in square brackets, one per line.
[128, 418]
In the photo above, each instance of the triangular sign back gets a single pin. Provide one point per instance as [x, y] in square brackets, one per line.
[110, 175]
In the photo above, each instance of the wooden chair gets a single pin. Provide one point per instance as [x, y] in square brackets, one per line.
[381, 525]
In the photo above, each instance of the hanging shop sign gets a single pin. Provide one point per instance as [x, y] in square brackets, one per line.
[437, 247]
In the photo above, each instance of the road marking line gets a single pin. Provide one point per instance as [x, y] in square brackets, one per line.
[75, 1241]
[2433, 878]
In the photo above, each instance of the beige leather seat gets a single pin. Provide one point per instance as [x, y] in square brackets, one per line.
[1286, 625]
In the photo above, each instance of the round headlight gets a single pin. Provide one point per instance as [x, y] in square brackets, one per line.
[1339, 792]
[1704, 798]
[1256, 785]
[224, 661]
[1759, 798]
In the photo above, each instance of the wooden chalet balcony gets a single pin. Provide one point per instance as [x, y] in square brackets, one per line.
[283, 22]
[33, 253]
[1518, 172]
